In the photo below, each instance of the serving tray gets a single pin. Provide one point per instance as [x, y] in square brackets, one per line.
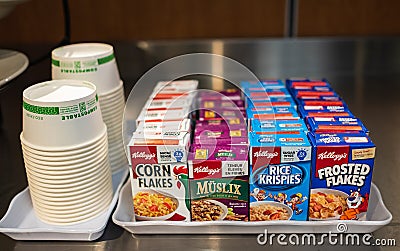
[378, 216]
[21, 223]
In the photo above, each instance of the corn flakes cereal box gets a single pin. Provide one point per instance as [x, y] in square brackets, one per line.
[279, 173]
[183, 125]
[342, 167]
[219, 183]
[159, 177]
[177, 85]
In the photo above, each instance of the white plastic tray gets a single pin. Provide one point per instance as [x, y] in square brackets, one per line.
[21, 223]
[377, 217]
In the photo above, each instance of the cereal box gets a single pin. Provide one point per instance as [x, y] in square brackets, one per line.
[280, 166]
[273, 101]
[324, 111]
[221, 114]
[306, 84]
[159, 177]
[219, 183]
[262, 94]
[268, 113]
[228, 94]
[335, 124]
[272, 84]
[341, 176]
[177, 85]
[162, 115]
[277, 125]
[165, 126]
[229, 124]
[219, 104]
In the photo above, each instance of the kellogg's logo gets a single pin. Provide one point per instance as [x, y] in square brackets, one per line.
[330, 140]
[332, 155]
[206, 169]
[143, 155]
[266, 154]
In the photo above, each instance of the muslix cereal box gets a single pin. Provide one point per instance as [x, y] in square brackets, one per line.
[342, 166]
[159, 176]
[219, 183]
[280, 166]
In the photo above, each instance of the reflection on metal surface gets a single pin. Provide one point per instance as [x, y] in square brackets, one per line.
[217, 65]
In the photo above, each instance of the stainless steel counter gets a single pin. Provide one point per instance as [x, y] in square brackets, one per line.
[365, 72]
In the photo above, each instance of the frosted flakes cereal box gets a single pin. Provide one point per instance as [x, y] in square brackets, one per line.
[341, 175]
[280, 166]
[324, 111]
[335, 124]
[219, 183]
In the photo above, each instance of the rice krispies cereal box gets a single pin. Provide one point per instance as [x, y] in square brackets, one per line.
[273, 101]
[159, 176]
[219, 183]
[342, 166]
[277, 125]
[279, 173]
[268, 113]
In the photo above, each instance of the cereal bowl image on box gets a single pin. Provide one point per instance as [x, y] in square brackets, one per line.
[327, 204]
[151, 205]
[269, 210]
[208, 210]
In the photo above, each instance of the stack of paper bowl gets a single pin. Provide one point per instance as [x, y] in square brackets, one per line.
[65, 148]
[95, 62]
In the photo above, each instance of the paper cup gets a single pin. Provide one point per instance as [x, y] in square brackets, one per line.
[48, 218]
[70, 184]
[91, 152]
[81, 209]
[65, 151]
[76, 206]
[117, 91]
[93, 62]
[56, 164]
[61, 114]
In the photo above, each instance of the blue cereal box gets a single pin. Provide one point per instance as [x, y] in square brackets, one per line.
[324, 111]
[263, 83]
[277, 125]
[342, 166]
[335, 124]
[268, 113]
[279, 176]
[306, 84]
[272, 101]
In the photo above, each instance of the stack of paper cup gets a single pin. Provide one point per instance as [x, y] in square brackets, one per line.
[64, 143]
[96, 63]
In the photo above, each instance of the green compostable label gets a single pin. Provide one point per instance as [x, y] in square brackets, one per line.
[67, 112]
[219, 189]
[81, 66]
